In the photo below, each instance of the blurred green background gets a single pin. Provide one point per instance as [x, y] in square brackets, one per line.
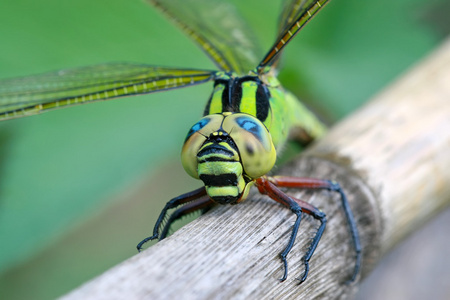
[79, 187]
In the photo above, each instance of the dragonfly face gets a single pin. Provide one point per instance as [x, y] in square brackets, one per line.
[227, 152]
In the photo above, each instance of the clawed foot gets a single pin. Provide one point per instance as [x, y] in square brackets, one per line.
[300, 279]
[141, 243]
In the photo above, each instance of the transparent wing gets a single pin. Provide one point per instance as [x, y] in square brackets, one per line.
[295, 14]
[31, 95]
[290, 11]
[218, 29]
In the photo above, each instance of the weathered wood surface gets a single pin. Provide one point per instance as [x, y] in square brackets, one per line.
[392, 158]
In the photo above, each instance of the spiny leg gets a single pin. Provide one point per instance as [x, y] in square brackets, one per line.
[268, 188]
[175, 202]
[312, 183]
[318, 215]
[297, 206]
[203, 203]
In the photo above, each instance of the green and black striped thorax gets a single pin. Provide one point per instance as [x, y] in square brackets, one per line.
[261, 97]
[246, 94]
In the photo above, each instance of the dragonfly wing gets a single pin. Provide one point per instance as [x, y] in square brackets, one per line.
[218, 29]
[295, 14]
[31, 95]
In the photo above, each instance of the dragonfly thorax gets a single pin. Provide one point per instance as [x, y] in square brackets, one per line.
[247, 94]
[227, 152]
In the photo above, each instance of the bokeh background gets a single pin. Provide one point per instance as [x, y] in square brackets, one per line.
[79, 187]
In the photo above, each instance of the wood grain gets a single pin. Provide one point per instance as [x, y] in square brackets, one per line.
[392, 159]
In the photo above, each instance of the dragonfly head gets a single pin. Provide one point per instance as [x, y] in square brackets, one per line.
[227, 152]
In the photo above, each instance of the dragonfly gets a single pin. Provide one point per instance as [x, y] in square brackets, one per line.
[246, 121]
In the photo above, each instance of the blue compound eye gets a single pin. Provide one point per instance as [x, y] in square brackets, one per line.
[197, 126]
[253, 141]
[195, 138]
[248, 123]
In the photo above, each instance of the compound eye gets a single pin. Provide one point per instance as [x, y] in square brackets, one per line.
[253, 141]
[195, 138]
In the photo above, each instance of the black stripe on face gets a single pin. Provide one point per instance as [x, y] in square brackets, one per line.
[214, 149]
[225, 199]
[219, 180]
[215, 158]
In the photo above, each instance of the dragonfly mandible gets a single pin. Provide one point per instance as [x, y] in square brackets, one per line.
[247, 119]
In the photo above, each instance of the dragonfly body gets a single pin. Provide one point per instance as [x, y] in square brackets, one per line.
[264, 98]
[247, 119]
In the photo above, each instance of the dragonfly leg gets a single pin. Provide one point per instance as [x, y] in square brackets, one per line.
[174, 203]
[312, 183]
[268, 188]
[318, 215]
[297, 206]
[204, 203]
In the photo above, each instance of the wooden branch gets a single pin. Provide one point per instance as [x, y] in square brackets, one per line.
[392, 159]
